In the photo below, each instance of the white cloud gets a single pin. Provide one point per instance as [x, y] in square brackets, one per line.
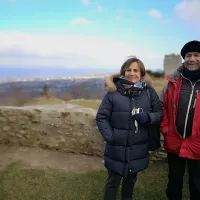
[188, 11]
[154, 13]
[22, 49]
[85, 2]
[101, 9]
[81, 21]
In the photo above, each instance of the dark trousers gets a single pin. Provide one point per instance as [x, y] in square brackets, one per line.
[112, 184]
[177, 167]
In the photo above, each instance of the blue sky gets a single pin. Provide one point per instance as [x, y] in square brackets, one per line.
[90, 33]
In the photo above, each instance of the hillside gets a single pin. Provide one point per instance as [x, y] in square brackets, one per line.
[44, 101]
[54, 101]
[91, 103]
[20, 93]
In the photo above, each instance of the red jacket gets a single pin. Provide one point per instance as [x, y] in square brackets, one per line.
[173, 141]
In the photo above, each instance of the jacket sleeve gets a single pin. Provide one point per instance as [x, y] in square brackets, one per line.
[165, 121]
[103, 118]
[156, 108]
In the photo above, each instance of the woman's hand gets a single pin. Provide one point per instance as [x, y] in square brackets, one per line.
[141, 118]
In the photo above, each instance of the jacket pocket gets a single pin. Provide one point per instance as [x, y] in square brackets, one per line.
[172, 142]
[117, 153]
[120, 137]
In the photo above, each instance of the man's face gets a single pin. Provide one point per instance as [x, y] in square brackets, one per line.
[192, 61]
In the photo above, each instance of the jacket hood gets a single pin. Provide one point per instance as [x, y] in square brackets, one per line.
[111, 87]
[183, 72]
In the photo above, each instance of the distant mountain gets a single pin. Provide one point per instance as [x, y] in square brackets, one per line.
[15, 72]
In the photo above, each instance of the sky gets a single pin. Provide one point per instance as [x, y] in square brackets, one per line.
[94, 33]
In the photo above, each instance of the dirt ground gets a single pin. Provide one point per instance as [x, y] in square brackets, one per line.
[41, 158]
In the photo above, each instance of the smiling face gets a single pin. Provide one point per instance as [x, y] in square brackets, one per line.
[133, 73]
[192, 61]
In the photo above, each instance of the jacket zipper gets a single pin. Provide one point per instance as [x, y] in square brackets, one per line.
[197, 91]
[127, 139]
[188, 109]
[189, 104]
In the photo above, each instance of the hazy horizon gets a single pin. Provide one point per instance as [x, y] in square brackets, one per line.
[21, 72]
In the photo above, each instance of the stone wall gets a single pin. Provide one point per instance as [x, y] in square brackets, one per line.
[64, 127]
[171, 63]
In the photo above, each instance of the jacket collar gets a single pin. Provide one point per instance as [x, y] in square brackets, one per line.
[110, 83]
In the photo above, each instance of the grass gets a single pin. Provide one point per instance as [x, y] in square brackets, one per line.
[86, 103]
[44, 101]
[17, 183]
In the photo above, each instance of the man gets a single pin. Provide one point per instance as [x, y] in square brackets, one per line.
[181, 123]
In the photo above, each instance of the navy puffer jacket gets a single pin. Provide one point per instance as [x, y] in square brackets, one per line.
[126, 152]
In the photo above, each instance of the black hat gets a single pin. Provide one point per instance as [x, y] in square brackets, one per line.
[192, 46]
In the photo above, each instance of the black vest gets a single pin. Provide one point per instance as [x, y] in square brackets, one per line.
[184, 101]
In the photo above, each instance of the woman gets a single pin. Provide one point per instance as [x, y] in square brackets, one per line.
[126, 133]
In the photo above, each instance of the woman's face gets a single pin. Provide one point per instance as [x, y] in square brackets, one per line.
[132, 73]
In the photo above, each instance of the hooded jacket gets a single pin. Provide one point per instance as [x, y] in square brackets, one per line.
[185, 143]
[126, 152]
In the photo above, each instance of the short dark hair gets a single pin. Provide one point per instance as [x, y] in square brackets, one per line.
[127, 64]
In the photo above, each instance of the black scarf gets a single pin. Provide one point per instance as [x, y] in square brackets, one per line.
[191, 75]
[132, 89]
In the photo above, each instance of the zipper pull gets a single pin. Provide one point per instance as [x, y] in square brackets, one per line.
[195, 99]
[136, 126]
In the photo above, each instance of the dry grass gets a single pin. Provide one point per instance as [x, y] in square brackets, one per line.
[44, 101]
[158, 84]
[86, 103]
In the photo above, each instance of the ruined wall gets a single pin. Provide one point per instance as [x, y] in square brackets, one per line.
[64, 127]
[171, 63]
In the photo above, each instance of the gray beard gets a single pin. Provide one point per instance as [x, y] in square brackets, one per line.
[192, 67]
